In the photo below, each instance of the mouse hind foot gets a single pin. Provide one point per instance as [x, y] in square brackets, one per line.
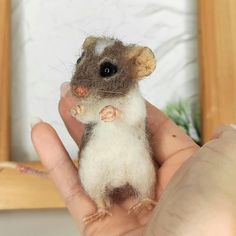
[100, 214]
[145, 203]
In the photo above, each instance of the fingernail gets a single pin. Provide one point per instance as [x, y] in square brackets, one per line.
[233, 126]
[34, 121]
[65, 87]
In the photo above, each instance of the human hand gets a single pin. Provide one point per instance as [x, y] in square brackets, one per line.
[171, 147]
[201, 197]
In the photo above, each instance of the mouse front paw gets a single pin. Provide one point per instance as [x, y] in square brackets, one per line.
[77, 110]
[109, 113]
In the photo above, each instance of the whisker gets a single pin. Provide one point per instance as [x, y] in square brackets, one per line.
[112, 92]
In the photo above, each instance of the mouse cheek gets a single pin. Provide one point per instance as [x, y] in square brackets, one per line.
[80, 91]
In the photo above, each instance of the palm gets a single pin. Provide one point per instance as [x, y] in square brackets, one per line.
[120, 223]
[170, 146]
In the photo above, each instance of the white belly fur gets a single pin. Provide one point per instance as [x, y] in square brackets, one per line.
[118, 152]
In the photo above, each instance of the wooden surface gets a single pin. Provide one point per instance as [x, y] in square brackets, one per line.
[4, 80]
[25, 191]
[217, 26]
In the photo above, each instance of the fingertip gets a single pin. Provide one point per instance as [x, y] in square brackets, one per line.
[40, 129]
[65, 88]
[47, 144]
[34, 121]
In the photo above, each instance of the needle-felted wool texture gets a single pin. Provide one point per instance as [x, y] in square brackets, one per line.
[132, 62]
[115, 160]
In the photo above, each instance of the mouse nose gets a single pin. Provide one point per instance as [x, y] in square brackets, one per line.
[80, 91]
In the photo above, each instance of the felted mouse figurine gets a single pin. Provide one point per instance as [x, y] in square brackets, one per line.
[114, 156]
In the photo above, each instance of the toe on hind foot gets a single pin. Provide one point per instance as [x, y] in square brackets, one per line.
[100, 214]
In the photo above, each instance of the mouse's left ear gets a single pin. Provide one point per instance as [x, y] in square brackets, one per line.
[89, 41]
[143, 59]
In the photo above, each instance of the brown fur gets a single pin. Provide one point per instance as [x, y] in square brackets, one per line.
[87, 72]
[86, 136]
[118, 195]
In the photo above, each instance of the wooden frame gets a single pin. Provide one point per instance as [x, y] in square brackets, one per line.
[4, 80]
[17, 190]
[217, 38]
[217, 24]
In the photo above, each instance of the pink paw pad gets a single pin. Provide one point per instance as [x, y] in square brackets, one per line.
[109, 113]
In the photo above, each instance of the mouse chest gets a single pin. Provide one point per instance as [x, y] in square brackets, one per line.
[111, 139]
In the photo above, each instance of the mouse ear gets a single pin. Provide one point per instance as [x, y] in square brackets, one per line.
[143, 59]
[89, 41]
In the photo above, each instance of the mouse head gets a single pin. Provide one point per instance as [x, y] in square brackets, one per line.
[108, 68]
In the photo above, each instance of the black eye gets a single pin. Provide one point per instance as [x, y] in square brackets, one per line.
[107, 69]
[78, 61]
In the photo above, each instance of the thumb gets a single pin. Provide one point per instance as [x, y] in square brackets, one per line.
[62, 171]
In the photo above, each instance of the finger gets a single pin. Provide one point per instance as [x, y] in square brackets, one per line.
[218, 132]
[62, 170]
[224, 141]
[67, 101]
[171, 146]
[168, 141]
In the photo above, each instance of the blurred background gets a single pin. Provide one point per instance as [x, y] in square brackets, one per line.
[46, 42]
